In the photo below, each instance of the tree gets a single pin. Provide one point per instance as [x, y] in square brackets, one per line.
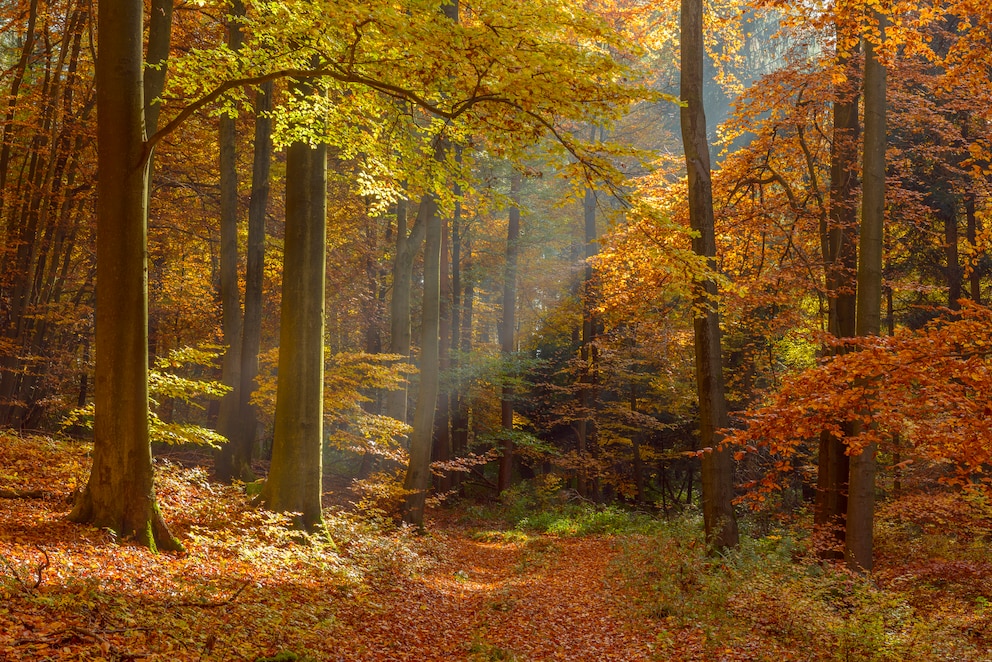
[418, 474]
[840, 263]
[861, 500]
[119, 494]
[295, 478]
[717, 467]
[507, 329]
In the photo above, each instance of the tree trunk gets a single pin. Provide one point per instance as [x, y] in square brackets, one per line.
[975, 278]
[294, 482]
[717, 466]
[230, 293]
[861, 498]
[460, 418]
[840, 263]
[587, 349]
[507, 328]
[120, 494]
[442, 430]
[954, 271]
[236, 456]
[418, 475]
[157, 57]
[407, 245]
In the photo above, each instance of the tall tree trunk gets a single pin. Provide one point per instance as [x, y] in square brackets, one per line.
[120, 494]
[507, 328]
[840, 262]
[587, 348]
[717, 466]
[157, 57]
[442, 429]
[418, 475]
[456, 317]
[230, 292]
[861, 499]
[407, 245]
[460, 419]
[294, 482]
[237, 454]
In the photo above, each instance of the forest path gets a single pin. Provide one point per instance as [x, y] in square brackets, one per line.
[542, 598]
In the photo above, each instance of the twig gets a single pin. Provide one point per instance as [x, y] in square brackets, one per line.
[41, 566]
[15, 574]
[212, 605]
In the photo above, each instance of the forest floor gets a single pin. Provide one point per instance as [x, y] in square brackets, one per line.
[532, 579]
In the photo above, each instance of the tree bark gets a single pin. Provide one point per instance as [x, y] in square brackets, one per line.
[861, 499]
[120, 493]
[230, 292]
[442, 429]
[407, 245]
[838, 238]
[236, 456]
[418, 475]
[975, 278]
[465, 307]
[294, 482]
[717, 466]
[507, 330]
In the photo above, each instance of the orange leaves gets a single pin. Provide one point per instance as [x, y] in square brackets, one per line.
[933, 388]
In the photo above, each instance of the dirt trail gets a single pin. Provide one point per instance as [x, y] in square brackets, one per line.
[546, 599]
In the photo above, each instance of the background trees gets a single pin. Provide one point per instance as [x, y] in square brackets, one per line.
[566, 338]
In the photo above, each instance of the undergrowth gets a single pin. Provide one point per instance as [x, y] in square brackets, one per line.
[541, 506]
[770, 596]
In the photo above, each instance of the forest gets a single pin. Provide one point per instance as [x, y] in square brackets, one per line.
[495, 330]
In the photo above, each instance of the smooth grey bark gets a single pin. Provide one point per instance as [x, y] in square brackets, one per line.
[418, 475]
[461, 339]
[861, 498]
[840, 257]
[507, 328]
[157, 59]
[120, 494]
[234, 460]
[230, 292]
[442, 417]
[586, 425]
[294, 481]
[407, 246]
[717, 472]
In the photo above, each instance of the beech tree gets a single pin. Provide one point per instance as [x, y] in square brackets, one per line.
[120, 494]
[861, 501]
[717, 464]
[295, 478]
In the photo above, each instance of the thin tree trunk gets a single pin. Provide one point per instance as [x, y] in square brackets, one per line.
[230, 292]
[954, 271]
[240, 448]
[407, 245]
[717, 466]
[840, 261]
[418, 475]
[861, 499]
[507, 330]
[442, 430]
[975, 278]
